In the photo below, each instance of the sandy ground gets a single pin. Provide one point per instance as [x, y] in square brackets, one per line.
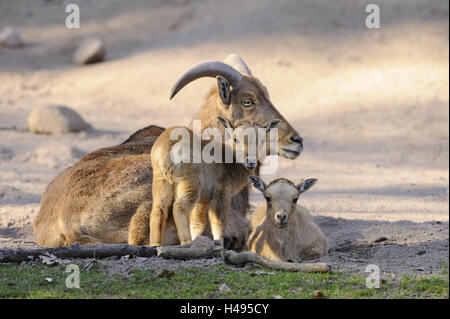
[371, 104]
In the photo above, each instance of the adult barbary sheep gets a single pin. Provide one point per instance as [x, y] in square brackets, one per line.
[194, 188]
[281, 229]
[106, 196]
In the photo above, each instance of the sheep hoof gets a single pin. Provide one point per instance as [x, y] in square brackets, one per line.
[217, 243]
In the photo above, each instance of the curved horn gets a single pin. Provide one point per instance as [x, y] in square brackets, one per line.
[207, 69]
[238, 63]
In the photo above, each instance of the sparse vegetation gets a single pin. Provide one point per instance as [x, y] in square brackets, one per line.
[30, 282]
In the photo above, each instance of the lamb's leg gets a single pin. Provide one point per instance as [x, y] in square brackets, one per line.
[185, 199]
[198, 219]
[139, 229]
[218, 213]
[162, 199]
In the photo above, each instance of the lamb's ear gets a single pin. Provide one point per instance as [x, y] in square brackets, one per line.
[305, 185]
[257, 182]
[272, 124]
[228, 126]
[224, 90]
[225, 122]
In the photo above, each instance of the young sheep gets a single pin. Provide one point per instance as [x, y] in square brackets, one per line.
[193, 187]
[283, 230]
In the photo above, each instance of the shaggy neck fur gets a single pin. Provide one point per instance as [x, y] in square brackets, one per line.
[236, 172]
[280, 239]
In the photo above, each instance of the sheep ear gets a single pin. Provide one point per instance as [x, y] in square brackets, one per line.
[272, 124]
[224, 90]
[257, 182]
[305, 185]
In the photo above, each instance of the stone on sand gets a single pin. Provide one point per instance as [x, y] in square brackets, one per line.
[10, 37]
[90, 50]
[55, 120]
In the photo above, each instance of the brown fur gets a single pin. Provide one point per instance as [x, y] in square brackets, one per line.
[299, 239]
[198, 187]
[80, 189]
[103, 198]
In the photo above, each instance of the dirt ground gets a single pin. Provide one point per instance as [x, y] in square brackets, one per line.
[371, 104]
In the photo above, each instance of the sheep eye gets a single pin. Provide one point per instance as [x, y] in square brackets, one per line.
[295, 200]
[268, 200]
[247, 103]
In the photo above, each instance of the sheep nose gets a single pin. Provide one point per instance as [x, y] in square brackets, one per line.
[297, 139]
[282, 217]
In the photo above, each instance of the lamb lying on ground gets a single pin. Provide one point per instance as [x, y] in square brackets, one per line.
[281, 229]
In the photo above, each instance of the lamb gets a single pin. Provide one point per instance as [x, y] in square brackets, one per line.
[281, 229]
[203, 185]
[106, 197]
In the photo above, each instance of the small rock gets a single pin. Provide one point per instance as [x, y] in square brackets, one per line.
[318, 294]
[90, 50]
[10, 37]
[421, 252]
[278, 297]
[224, 287]
[55, 120]
[202, 242]
[49, 279]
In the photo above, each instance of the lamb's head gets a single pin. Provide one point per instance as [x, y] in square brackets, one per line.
[249, 140]
[281, 197]
[240, 96]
